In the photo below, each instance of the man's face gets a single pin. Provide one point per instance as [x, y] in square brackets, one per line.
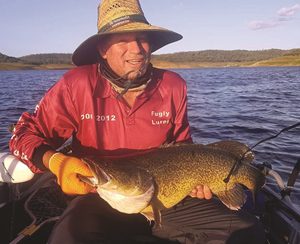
[127, 54]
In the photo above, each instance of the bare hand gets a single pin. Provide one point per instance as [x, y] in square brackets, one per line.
[201, 192]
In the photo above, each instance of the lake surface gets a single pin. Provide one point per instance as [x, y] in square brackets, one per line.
[244, 104]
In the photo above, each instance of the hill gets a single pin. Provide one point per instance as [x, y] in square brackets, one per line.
[224, 58]
[7, 59]
[36, 61]
[212, 56]
[216, 56]
[48, 58]
[192, 59]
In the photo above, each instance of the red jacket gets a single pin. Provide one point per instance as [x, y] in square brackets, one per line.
[83, 104]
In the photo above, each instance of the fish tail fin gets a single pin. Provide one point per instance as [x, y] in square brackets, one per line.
[248, 176]
[251, 177]
[233, 198]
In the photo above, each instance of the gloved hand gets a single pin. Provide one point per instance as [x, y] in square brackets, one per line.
[66, 169]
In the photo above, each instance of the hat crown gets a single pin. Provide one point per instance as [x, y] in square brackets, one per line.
[112, 13]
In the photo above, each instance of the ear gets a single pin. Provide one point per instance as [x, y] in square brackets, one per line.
[101, 48]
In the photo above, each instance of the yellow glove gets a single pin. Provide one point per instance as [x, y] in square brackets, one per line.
[66, 169]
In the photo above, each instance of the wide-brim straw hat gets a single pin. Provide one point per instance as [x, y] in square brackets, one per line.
[121, 16]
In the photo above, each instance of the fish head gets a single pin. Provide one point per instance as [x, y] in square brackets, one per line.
[125, 180]
[127, 189]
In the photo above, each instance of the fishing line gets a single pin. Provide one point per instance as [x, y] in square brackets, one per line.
[238, 162]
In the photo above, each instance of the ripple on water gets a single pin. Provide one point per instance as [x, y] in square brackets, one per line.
[245, 104]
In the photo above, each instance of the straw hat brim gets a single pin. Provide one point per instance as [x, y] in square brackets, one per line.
[87, 52]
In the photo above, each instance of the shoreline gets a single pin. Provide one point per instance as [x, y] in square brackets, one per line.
[23, 66]
[158, 64]
[180, 60]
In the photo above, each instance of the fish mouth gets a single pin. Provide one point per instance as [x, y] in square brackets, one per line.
[99, 178]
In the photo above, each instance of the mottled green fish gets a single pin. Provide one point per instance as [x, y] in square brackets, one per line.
[162, 178]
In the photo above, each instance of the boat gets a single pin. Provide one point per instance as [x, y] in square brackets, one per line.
[23, 218]
[281, 218]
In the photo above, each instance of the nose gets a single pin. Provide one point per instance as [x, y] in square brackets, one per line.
[135, 46]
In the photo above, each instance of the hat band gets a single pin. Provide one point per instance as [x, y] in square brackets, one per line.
[123, 20]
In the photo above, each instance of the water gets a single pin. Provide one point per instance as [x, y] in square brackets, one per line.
[244, 104]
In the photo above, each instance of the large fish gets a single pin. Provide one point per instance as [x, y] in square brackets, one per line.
[160, 179]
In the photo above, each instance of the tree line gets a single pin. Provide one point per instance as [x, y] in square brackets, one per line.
[225, 56]
[211, 56]
[48, 58]
[7, 59]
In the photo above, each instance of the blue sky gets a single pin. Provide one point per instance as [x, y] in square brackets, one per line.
[48, 26]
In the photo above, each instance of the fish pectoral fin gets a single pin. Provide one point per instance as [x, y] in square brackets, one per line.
[157, 216]
[233, 198]
[148, 212]
[148, 215]
[152, 213]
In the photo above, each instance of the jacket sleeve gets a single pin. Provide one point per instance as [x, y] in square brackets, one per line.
[181, 132]
[48, 127]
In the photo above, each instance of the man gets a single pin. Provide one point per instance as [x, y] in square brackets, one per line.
[112, 105]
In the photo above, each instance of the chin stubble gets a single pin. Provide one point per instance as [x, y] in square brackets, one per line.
[132, 75]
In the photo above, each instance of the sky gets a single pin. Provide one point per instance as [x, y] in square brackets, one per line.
[59, 26]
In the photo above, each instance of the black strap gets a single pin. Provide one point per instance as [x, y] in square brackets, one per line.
[122, 82]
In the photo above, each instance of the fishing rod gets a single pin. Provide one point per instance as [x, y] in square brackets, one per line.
[238, 162]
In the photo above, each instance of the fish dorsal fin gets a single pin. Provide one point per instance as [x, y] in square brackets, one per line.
[233, 198]
[237, 149]
[174, 144]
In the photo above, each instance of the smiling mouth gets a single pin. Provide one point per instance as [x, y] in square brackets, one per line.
[135, 61]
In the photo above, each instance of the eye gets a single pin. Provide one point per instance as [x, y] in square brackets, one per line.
[121, 41]
[142, 39]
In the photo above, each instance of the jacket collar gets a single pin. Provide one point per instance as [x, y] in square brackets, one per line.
[102, 87]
